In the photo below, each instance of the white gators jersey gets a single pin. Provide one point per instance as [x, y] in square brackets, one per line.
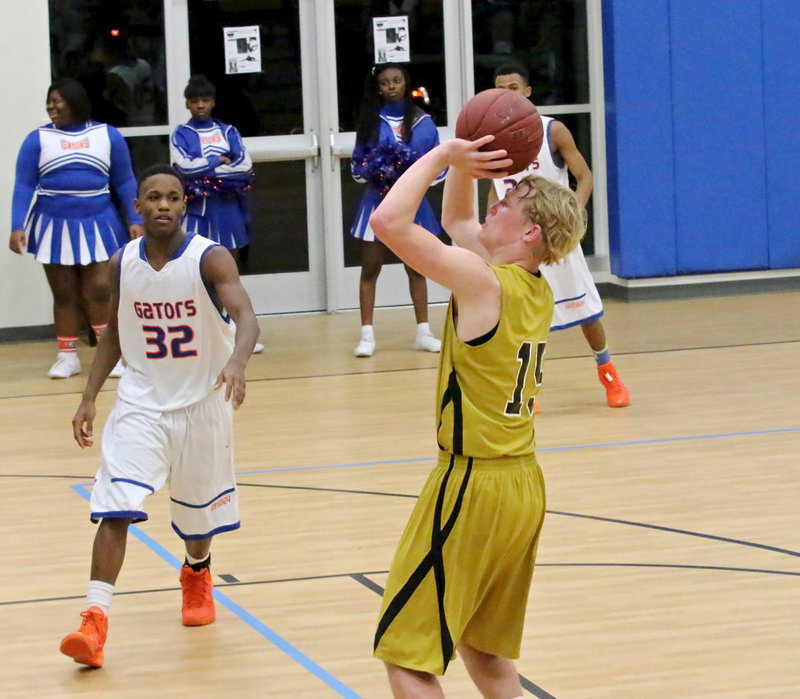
[174, 338]
[543, 165]
[576, 298]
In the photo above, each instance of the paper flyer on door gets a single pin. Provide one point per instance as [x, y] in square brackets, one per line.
[242, 50]
[391, 39]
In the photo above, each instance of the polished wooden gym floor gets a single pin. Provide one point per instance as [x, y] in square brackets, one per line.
[669, 564]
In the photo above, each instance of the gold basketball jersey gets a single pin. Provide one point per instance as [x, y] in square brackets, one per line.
[486, 389]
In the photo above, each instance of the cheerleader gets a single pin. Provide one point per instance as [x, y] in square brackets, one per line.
[217, 170]
[392, 133]
[63, 214]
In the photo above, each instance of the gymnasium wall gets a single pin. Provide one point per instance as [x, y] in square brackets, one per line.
[703, 135]
[24, 77]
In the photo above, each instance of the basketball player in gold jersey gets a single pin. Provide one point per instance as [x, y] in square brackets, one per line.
[463, 568]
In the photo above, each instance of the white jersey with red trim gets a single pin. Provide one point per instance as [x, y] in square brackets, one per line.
[543, 165]
[576, 297]
[174, 334]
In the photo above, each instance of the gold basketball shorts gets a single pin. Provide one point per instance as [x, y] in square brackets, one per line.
[463, 567]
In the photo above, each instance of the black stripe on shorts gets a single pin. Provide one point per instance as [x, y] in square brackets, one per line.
[433, 560]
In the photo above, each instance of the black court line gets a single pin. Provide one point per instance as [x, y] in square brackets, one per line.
[672, 530]
[238, 583]
[358, 577]
[534, 689]
[611, 520]
[374, 587]
[524, 681]
[366, 582]
[432, 368]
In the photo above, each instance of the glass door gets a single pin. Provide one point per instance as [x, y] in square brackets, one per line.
[289, 75]
[295, 110]
[367, 33]
[262, 57]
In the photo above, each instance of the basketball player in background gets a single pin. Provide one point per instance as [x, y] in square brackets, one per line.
[576, 299]
[462, 572]
[173, 300]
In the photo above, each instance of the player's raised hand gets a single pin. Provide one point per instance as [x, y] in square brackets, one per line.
[83, 424]
[466, 155]
[232, 375]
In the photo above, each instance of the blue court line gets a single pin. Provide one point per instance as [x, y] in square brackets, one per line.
[598, 445]
[243, 614]
[665, 440]
[327, 466]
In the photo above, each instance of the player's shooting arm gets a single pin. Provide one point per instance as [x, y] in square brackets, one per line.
[456, 268]
[458, 212]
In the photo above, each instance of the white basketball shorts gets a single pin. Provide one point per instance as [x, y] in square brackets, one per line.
[192, 447]
[574, 293]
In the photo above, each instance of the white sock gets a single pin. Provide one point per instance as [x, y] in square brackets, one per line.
[99, 595]
[367, 333]
[423, 329]
[194, 561]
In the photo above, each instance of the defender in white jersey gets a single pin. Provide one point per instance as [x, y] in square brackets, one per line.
[576, 299]
[186, 328]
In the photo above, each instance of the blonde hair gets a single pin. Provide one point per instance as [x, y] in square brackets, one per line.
[557, 210]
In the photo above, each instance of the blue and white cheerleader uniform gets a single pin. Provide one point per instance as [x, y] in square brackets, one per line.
[61, 194]
[216, 206]
[424, 137]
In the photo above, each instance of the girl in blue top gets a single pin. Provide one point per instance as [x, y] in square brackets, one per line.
[392, 133]
[216, 168]
[63, 213]
[217, 172]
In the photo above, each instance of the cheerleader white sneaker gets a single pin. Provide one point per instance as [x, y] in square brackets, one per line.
[116, 372]
[365, 348]
[258, 349]
[67, 364]
[426, 342]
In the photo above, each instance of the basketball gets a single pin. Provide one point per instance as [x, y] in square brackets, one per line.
[513, 120]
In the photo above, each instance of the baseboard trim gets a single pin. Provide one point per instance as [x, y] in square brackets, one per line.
[728, 284]
[27, 333]
[609, 286]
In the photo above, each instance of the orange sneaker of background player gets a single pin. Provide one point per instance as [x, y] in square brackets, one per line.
[616, 393]
[198, 598]
[85, 646]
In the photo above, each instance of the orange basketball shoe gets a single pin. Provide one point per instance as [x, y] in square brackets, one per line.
[85, 646]
[198, 598]
[616, 393]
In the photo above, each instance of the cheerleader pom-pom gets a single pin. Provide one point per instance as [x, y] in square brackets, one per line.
[385, 162]
[231, 186]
